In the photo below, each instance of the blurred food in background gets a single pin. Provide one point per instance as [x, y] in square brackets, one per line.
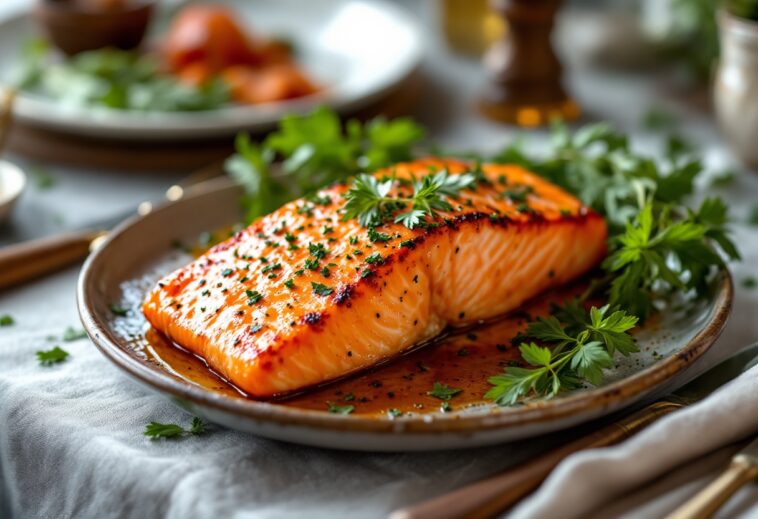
[204, 42]
[206, 60]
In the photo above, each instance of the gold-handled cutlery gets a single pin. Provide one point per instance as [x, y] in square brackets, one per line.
[742, 470]
[491, 496]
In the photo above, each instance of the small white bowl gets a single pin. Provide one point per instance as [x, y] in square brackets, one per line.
[12, 183]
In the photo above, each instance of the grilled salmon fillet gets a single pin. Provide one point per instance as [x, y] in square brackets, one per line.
[301, 297]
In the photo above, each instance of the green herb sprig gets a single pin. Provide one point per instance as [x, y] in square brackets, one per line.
[157, 430]
[579, 350]
[657, 246]
[315, 150]
[443, 391]
[369, 199]
[339, 409]
[657, 253]
[118, 79]
[53, 356]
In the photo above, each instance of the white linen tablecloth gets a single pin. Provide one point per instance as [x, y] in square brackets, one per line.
[71, 442]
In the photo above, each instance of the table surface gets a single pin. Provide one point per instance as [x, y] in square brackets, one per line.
[78, 196]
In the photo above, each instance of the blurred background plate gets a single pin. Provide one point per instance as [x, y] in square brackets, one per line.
[360, 50]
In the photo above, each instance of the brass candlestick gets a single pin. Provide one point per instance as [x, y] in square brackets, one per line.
[524, 74]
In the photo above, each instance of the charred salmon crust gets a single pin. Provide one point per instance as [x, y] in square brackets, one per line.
[301, 297]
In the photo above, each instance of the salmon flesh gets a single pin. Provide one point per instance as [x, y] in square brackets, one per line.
[301, 297]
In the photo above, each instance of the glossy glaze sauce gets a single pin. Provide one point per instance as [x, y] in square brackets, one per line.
[463, 360]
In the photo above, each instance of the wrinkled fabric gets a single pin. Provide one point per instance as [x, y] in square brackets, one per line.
[587, 482]
[71, 435]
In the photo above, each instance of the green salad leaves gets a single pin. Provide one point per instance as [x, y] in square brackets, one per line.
[112, 78]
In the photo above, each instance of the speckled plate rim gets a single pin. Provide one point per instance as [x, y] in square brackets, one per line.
[582, 405]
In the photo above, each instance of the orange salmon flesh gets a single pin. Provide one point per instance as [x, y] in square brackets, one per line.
[301, 297]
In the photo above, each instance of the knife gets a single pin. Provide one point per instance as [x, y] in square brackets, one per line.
[32, 259]
[491, 496]
[742, 470]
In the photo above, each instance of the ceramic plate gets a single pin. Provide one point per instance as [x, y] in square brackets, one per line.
[358, 49]
[142, 249]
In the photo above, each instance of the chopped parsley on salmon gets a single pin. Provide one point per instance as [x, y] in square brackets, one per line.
[304, 295]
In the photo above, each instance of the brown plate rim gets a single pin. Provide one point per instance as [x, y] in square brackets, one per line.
[591, 402]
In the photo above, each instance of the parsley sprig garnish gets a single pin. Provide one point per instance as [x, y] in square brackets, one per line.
[658, 252]
[370, 200]
[339, 409]
[157, 430]
[657, 246]
[443, 391]
[53, 356]
[315, 150]
[578, 350]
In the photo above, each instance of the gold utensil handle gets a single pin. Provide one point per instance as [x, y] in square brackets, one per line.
[489, 497]
[707, 501]
[26, 261]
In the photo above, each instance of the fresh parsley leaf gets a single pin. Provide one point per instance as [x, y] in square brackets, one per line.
[157, 430]
[321, 289]
[7, 320]
[514, 384]
[371, 201]
[197, 427]
[752, 218]
[340, 409]
[43, 180]
[749, 282]
[578, 351]
[375, 236]
[118, 310]
[589, 361]
[253, 297]
[73, 334]
[50, 357]
[597, 164]
[657, 118]
[318, 250]
[443, 391]
[657, 250]
[316, 150]
[368, 200]
[118, 79]
[389, 142]
[252, 167]
[536, 355]
[723, 179]
[374, 258]
[612, 331]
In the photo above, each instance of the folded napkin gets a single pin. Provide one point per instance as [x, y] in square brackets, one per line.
[589, 481]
